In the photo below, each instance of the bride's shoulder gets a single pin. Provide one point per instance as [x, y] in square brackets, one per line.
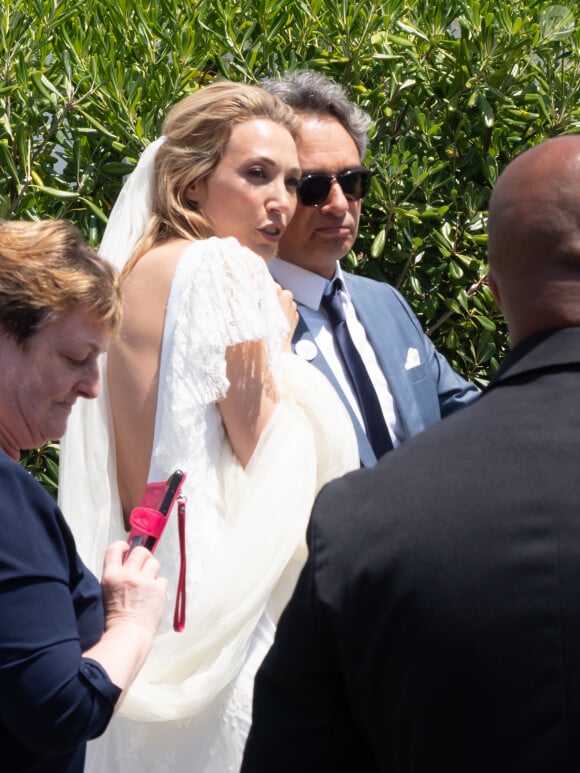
[160, 262]
[148, 284]
[204, 262]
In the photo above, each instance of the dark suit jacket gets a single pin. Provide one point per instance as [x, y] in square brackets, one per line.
[436, 625]
[424, 390]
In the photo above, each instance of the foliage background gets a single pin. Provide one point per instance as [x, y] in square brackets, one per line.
[456, 89]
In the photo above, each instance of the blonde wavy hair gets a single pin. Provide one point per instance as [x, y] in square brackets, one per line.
[197, 131]
[46, 269]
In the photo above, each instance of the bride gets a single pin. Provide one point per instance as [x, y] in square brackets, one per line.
[202, 379]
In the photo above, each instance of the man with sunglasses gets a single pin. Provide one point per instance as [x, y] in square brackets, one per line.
[360, 333]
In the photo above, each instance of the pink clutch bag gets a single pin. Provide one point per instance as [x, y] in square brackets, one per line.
[148, 521]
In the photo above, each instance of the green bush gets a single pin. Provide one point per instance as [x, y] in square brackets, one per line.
[456, 90]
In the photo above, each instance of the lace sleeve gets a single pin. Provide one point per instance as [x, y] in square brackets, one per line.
[222, 294]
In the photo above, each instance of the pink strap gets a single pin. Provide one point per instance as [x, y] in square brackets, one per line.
[179, 613]
[150, 523]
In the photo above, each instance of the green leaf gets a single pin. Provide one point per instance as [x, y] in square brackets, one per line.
[486, 324]
[378, 245]
[56, 193]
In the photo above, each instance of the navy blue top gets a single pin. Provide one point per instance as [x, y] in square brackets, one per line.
[52, 700]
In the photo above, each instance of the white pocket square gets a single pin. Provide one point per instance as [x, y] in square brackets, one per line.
[413, 359]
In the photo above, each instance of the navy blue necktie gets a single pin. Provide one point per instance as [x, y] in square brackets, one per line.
[372, 414]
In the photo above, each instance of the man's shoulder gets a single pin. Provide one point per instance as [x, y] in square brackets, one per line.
[366, 520]
[367, 281]
[368, 288]
[378, 300]
[399, 476]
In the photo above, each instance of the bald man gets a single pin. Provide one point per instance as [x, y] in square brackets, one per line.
[436, 625]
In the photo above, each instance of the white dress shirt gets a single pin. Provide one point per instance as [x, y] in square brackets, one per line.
[308, 289]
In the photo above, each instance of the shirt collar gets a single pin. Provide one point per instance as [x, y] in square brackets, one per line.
[306, 286]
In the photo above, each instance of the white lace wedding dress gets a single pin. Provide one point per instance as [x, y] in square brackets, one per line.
[190, 708]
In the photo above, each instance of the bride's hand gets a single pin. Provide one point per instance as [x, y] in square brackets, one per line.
[288, 306]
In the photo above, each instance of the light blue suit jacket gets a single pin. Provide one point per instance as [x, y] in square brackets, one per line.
[423, 394]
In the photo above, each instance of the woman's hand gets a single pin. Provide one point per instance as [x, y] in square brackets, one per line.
[288, 306]
[253, 394]
[133, 592]
[133, 598]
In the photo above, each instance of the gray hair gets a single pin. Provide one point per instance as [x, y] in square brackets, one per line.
[309, 92]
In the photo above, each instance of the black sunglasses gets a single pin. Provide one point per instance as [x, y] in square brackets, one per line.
[314, 189]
